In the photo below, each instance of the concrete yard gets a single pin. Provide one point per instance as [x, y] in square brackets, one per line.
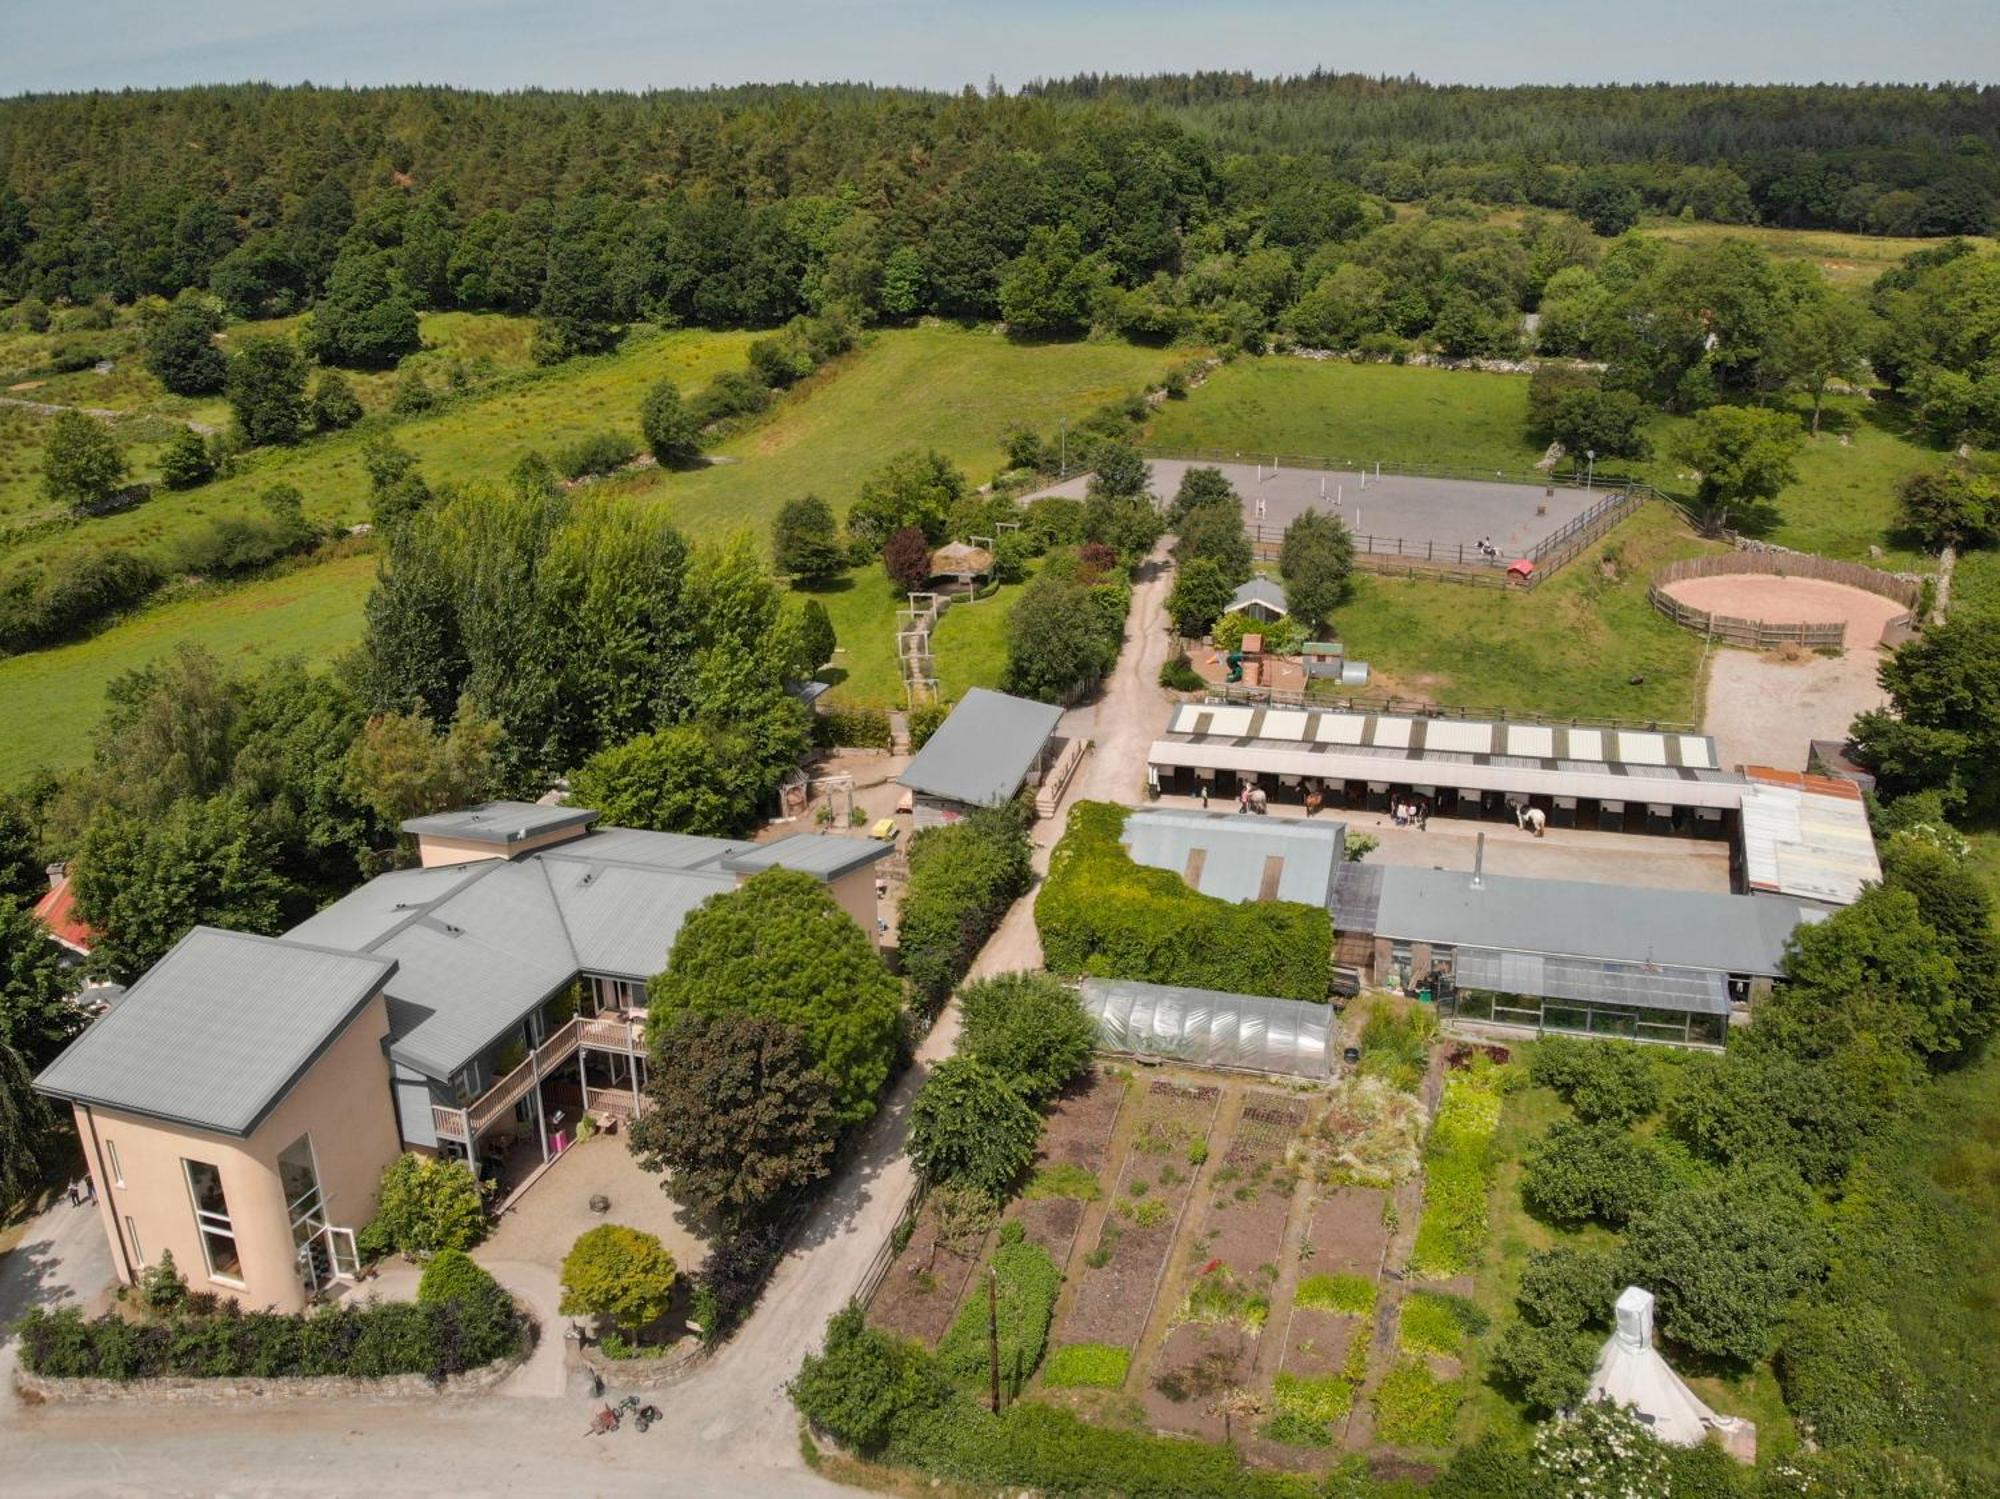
[1443, 519]
[542, 1225]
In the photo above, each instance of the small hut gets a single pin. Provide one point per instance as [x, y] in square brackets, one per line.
[962, 563]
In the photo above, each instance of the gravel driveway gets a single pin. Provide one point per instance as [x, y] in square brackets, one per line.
[1763, 708]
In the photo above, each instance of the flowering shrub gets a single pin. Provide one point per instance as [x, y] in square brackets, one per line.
[1603, 1450]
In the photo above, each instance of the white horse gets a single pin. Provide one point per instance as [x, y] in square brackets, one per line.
[1534, 819]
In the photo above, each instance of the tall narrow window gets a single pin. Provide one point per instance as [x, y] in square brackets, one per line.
[132, 1237]
[298, 1173]
[211, 1216]
[117, 1171]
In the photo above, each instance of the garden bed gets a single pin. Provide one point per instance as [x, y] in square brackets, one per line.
[1068, 1162]
[920, 1293]
[1197, 1363]
[1347, 1233]
[1121, 1272]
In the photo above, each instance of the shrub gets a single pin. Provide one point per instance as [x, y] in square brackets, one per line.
[1581, 1172]
[1028, 1283]
[187, 462]
[969, 1126]
[1844, 1370]
[231, 545]
[1030, 1028]
[453, 1275]
[733, 1276]
[925, 720]
[1396, 1044]
[1602, 1449]
[1087, 1366]
[1350, 1295]
[1611, 1081]
[669, 427]
[1100, 913]
[853, 728]
[1063, 1180]
[1547, 1367]
[731, 393]
[161, 1286]
[863, 1380]
[599, 453]
[1568, 1288]
[618, 1273]
[1414, 1408]
[1177, 674]
[1458, 1169]
[424, 1206]
[963, 877]
[906, 558]
[1432, 1322]
[1217, 1296]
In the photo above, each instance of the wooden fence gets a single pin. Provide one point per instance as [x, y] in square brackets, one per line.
[1763, 635]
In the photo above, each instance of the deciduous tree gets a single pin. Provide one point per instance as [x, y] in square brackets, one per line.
[267, 390]
[1317, 560]
[82, 463]
[969, 1126]
[671, 432]
[181, 350]
[1029, 1028]
[618, 1273]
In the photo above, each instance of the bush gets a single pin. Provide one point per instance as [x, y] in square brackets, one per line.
[731, 393]
[968, 1126]
[1030, 1028]
[1177, 674]
[963, 877]
[856, 1388]
[1844, 1370]
[425, 1206]
[1581, 1172]
[76, 592]
[1568, 1288]
[1350, 1295]
[161, 1286]
[1458, 1170]
[1087, 1366]
[1414, 1408]
[1396, 1043]
[1548, 1368]
[231, 545]
[925, 720]
[599, 453]
[1100, 913]
[453, 1275]
[852, 728]
[187, 462]
[732, 1277]
[618, 1273]
[1613, 1081]
[1029, 1282]
[1602, 1449]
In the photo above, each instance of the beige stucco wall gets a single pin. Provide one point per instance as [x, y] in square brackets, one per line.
[855, 891]
[433, 851]
[342, 1101]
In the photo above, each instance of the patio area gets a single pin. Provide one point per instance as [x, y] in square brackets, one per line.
[545, 1220]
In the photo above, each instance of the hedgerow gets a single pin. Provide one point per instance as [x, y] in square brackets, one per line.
[1100, 913]
[963, 877]
[1458, 1169]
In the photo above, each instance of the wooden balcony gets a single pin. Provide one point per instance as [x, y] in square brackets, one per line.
[623, 1033]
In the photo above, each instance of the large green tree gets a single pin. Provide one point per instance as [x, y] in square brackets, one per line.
[672, 434]
[366, 318]
[805, 540]
[912, 489]
[267, 390]
[82, 463]
[740, 1116]
[1744, 456]
[1942, 729]
[36, 1016]
[181, 351]
[969, 1126]
[692, 778]
[1059, 643]
[1200, 597]
[31, 1145]
[1317, 561]
[1215, 532]
[780, 947]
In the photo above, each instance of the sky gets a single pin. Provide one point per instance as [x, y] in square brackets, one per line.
[632, 44]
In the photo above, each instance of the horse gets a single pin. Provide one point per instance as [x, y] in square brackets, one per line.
[1534, 819]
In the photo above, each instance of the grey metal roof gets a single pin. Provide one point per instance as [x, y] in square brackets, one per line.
[474, 963]
[1237, 857]
[1357, 897]
[218, 1030]
[1209, 1028]
[1260, 590]
[1574, 918]
[827, 855]
[622, 920]
[1637, 986]
[643, 846]
[984, 750]
[500, 823]
[365, 916]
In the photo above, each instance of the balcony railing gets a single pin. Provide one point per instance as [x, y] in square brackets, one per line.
[616, 1033]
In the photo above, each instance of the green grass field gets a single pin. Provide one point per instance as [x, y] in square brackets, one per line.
[1842, 503]
[1569, 648]
[969, 646]
[1853, 260]
[50, 699]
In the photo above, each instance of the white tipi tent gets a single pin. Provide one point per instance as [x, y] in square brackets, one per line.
[1630, 1371]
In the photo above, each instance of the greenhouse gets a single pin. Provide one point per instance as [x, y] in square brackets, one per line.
[1206, 1028]
[1586, 996]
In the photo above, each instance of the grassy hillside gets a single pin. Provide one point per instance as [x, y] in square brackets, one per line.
[1849, 260]
[50, 699]
[1842, 503]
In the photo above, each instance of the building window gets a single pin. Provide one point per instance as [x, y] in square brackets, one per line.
[211, 1216]
[132, 1237]
[298, 1174]
[117, 1171]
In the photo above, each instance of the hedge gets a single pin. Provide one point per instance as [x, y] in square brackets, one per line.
[371, 1341]
[963, 877]
[1029, 1282]
[1458, 1170]
[1101, 914]
[852, 728]
[41, 607]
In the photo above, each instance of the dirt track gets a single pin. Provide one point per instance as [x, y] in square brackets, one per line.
[1791, 601]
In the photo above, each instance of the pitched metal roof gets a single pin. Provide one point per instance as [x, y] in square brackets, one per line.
[1260, 590]
[827, 855]
[1234, 857]
[984, 750]
[1575, 918]
[642, 846]
[1807, 836]
[365, 916]
[622, 919]
[500, 823]
[218, 1030]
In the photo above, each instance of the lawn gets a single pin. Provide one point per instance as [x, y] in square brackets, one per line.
[49, 700]
[1850, 260]
[931, 387]
[1842, 503]
[1570, 648]
[969, 645]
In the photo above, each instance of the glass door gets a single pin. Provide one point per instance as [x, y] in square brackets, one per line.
[346, 1258]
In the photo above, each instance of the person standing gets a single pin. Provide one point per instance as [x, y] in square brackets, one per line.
[1204, 796]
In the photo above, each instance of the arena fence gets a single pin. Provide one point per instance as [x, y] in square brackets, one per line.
[1758, 634]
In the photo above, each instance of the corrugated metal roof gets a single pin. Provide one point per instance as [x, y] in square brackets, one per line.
[1807, 837]
[1211, 1029]
[218, 1030]
[1573, 918]
[1266, 591]
[365, 916]
[1230, 856]
[1357, 897]
[643, 846]
[826, 855]
[623, 920]
[500, 823]
[981, 753]
[1639, 986]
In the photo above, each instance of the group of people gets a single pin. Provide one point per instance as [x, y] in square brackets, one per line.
[81, 1192]
[1416, 812]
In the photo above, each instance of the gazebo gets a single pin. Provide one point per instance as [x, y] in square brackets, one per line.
[962, 562]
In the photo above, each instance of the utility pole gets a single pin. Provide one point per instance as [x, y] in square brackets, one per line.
[1590, 472]
[993, 1331]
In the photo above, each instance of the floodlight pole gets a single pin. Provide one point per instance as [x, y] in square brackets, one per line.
[1590, 470]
